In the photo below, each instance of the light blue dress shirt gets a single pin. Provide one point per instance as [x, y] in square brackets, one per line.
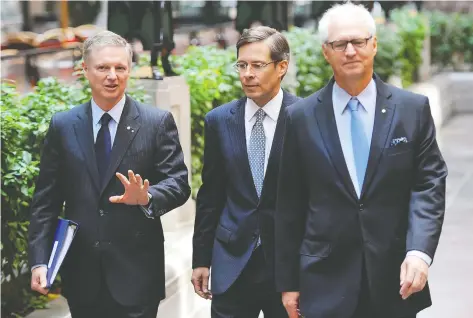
[115, 113]
[367, 99]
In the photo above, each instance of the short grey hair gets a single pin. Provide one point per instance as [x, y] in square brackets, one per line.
[278, 45]
[340, 11]
[103, 39]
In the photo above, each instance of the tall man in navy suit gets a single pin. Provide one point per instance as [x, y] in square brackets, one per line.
[234, 226]
[115, 166]
[361, 195]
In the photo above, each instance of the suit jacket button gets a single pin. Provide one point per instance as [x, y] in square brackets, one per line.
[101, 212]
[362, 207]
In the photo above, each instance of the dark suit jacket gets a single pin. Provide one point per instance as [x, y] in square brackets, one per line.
[114, 240]
[323, 230]
[229, 214]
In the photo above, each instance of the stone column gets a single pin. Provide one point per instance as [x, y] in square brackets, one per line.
[172, 94]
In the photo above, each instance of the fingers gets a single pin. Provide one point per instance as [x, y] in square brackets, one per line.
[139, 180]
[123, 179]
[292, 312]
[403, 273]
[116, 199]
[290, 301]
[39, 281]
[197, 283]
[131, 177]
[407, 282]
[144, 185]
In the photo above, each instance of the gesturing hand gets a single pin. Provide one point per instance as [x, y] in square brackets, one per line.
[136, 191]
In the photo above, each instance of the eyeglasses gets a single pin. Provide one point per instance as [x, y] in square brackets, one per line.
[241, 67]
[341, 45]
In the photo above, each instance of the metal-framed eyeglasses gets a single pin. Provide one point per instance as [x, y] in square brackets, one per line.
[341, 45]
[256, 67]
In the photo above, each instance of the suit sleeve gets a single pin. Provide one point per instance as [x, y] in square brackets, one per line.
[210, 199]
[48, 199]
[427, 204]
[173, 190]
[291, 211]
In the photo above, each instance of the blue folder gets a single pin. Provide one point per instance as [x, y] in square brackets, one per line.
[65, 232]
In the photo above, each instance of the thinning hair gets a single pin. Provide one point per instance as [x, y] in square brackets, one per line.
[277, 43]
[346, 10]
[103, 39]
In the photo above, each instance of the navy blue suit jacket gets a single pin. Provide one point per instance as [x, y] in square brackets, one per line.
[115, 243]
[326, 235]
[229, 215]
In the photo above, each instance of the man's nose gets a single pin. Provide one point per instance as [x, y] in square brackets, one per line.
[248, 73]
[112, 74]
[350, 50]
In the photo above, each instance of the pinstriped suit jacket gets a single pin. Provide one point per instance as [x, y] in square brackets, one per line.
[116, 244]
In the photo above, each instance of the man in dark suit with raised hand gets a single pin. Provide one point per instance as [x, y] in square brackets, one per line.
[234, 226]
[115, 166]
[361, 195]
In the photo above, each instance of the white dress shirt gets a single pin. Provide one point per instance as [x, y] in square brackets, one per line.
[367, 108]
[272, 109]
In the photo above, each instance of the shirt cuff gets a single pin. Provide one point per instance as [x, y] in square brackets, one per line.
[147, 208]
[39, 265]
[426, 258]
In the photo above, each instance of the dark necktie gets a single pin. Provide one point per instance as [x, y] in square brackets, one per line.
[103, 145]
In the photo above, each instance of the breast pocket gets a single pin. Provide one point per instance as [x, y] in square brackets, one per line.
[399, 149]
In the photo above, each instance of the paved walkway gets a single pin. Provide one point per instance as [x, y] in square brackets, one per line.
[451, 274]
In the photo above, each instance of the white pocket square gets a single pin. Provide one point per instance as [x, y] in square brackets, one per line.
[397, 141]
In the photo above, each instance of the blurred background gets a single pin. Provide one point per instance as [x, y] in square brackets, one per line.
[183, 56]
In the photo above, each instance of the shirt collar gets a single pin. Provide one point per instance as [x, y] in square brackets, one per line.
[115, 112]
[272, 108]
[367, 97]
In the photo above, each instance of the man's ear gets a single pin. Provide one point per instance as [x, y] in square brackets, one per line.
[324, 51]
[84, 69]
[282, 68]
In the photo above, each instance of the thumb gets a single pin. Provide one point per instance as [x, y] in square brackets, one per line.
[116, 199]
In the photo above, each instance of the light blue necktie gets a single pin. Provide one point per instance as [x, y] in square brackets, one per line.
[359, 140]
[256, 153]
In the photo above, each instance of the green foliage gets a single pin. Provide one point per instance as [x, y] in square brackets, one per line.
[451, 39]
[212, 82]
[386, 61]
[313, 71]
[24, 122]
[411, 27]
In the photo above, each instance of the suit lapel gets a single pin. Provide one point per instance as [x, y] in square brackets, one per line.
[384, 114]
[127, 129]
[328, 129]
[236, 126]
[276, 147]
[85, 136]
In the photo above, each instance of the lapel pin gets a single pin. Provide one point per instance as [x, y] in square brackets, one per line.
[128, 127]
[383, 110]
[132, 130]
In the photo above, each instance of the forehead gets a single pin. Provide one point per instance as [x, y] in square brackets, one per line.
[348, 28]
[108, 55]
[257, 51]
